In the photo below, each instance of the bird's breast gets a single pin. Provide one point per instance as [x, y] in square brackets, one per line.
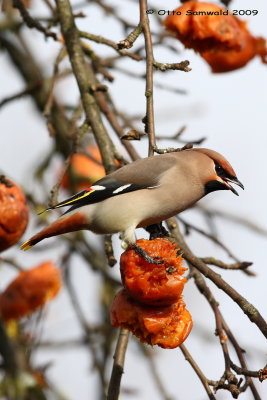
[140, 208]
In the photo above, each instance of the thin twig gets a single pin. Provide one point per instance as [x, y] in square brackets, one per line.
[252, 313]
[132, 74]
[20, 94]
[11, 262]
[181, 66]
[131, 38]
[177, 136]
[198, 371]
[155, 373]
[149, 117]
[172, 149]
[49, 103]
[31, 22]
[243, 221]
[118, 365]
[85, 78]
[83, 322]
[228, 381]
[209, 236]
[244, 371]
[241, 357]
[27, 66]
[234, 385]
[221, 264]
[109, 250]
[110, 43]
[103, 104]
[54, 191]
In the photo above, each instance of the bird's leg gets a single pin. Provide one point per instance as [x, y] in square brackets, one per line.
[157, 231]
[141, 252]
[128, 240]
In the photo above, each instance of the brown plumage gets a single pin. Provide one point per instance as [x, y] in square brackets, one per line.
[142, 193]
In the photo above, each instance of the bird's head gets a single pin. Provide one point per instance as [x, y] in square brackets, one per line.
[219, 173]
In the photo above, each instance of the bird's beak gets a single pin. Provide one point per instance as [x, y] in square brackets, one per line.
[235, 181]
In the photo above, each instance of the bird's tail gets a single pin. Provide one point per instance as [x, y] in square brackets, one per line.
[71, 223]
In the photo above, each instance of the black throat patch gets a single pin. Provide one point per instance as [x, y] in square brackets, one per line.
[214, 185]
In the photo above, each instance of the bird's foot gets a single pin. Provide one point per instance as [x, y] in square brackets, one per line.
[124, 244]
[157, 231]
[142, 253]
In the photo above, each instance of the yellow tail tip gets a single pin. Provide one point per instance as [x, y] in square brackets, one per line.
[26, 246]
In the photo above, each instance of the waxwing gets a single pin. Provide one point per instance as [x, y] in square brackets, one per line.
[142, 193]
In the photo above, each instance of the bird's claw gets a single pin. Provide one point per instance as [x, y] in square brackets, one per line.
[141, 252]
[157, 231]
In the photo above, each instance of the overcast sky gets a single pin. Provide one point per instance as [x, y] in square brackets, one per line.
[230, 111]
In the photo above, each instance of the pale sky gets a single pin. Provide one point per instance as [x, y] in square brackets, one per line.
[230, 110]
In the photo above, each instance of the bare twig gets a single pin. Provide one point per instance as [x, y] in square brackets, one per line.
[131, 38]
[132, 74]
[106, 108]
[244, 371]
[209, 236]
[221, 264]
[49, 103]
[243, 221]
[181, 66]
[233, 384]
[236, 266]
[85, 79]
[133, 135]
[110, 43]
[198, 371]
[20, 94]
[84, 324]
[109, 250]
[228, 380]
[28, 68]
[11, 262]
[31, 22]
[55, 188]
[118, 365]
[156, 375]
[149, 117]
[177, 136]
[252, 313]
[113, 12]
[241, 357]
[172, 149]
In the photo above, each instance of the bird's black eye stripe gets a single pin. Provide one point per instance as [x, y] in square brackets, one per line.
[221, 171]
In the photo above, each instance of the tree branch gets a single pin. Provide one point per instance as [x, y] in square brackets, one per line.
[131, 38]
[110, 43]
[198, 371]
[181, 66]
[31, 22]
[85, 78]
[149, 118]
[118, 365]
[252, 313]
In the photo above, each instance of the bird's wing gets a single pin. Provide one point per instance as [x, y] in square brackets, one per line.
[97, 193]
[142, 174]
[145, 171]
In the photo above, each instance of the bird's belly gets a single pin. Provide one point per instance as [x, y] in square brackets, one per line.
[111, 220]
[135, 209]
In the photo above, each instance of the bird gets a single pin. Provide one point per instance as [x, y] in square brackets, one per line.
[142, 193]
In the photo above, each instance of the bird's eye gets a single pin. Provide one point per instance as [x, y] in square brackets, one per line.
[219, 169]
